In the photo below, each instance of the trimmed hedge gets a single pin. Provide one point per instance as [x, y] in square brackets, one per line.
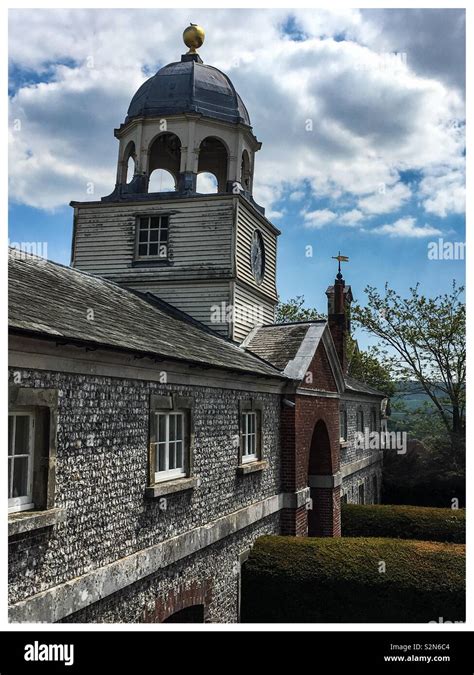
[404, 522]
[297, 579]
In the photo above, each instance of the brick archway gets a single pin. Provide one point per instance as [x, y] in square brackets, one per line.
[194, 598]
[191, 614]
[324, 516]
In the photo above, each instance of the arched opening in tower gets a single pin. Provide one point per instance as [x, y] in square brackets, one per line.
[206, 183]
[130, 168]
[213, 159]
[161, 181]
[245, 171]
[164, 155]
[129, 159]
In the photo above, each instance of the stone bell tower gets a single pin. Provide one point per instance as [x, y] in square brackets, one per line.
[209, 254]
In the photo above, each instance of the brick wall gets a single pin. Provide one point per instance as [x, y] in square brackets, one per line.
[324, 519]
[319, 374]
[294, 522]
[310, 409]
[300, 449]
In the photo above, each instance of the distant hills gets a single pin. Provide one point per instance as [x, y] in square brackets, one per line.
[411, 395]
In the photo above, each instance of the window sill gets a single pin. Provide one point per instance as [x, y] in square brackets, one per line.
[27, 521]
[152, 262]
[252, 467]
[170, 486]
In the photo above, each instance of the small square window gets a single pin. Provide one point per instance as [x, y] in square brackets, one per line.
[152, 239]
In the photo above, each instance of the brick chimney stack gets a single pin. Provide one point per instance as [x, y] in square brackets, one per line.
[339, 299]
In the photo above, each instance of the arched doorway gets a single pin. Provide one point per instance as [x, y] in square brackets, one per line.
[192, 614]
[321, 520]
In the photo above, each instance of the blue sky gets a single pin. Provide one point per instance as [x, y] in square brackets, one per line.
[360, 112]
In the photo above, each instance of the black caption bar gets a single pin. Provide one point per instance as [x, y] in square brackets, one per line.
[29, 652]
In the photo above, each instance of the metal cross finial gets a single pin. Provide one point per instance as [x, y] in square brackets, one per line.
[340, 258]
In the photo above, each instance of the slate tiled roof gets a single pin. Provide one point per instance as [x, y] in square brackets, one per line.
[278, 343]
[55, 301]
[290, 347]
[359, 387]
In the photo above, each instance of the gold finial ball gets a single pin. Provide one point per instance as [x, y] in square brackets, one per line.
[193, 37]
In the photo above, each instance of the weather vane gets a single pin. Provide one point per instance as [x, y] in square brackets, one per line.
[340, 258]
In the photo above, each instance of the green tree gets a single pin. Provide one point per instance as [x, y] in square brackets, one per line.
[370, 366]
[427, 338]
[294, 310]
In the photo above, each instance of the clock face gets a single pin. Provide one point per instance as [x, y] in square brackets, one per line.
[257, 257]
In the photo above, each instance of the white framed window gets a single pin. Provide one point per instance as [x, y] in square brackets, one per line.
[152, 237]
[170, 446]
[21, 434]
[250, 436]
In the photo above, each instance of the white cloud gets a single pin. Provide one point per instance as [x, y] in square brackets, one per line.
[444, 192]
[385, 199]
[350, 218]
[297, 196]
[406, 227]
[433, 40]
[369, 123]
[317, 219]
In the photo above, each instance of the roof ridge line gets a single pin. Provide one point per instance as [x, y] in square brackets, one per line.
[294, 323]
[154, 299]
